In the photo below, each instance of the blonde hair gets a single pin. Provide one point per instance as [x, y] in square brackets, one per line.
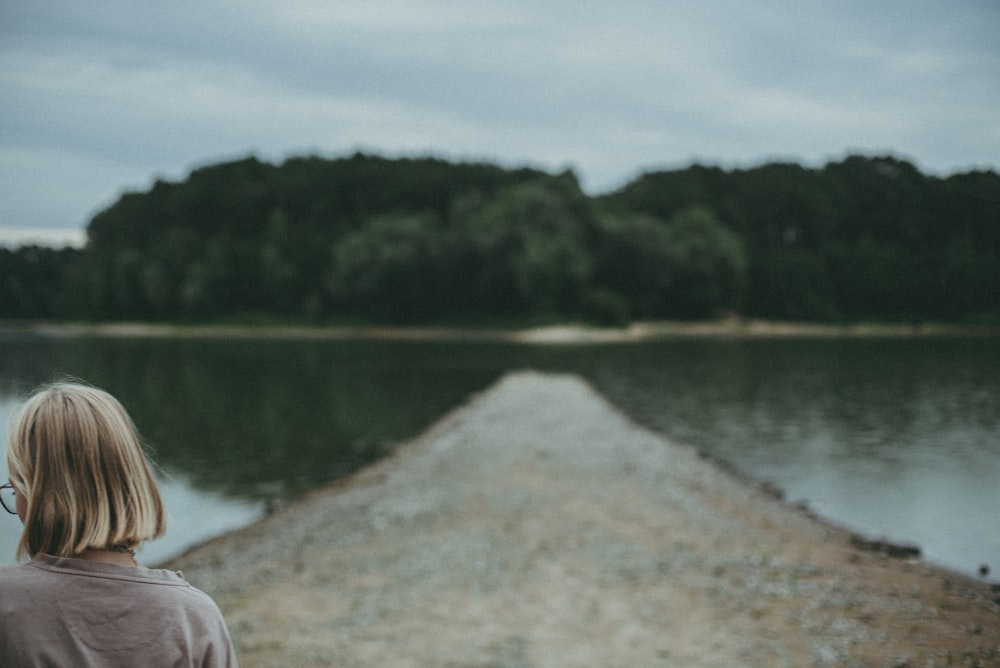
[75, 456]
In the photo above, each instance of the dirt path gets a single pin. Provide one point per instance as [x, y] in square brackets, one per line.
[537, 526]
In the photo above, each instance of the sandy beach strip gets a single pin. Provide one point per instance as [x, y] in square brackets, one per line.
[538, 526]
[568, 333]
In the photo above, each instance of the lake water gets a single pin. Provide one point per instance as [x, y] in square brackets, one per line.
[896, 438]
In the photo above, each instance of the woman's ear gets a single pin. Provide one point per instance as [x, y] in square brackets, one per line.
[22, 505]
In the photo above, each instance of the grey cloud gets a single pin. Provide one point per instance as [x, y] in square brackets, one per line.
[608, 88]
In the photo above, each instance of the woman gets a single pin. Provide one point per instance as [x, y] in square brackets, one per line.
[87, 498]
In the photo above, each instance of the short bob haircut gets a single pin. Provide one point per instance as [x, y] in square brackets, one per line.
[75, 456]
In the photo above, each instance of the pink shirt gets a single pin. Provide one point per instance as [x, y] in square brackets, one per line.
[57, 611]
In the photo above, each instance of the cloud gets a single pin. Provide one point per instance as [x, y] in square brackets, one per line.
[80, 178]
[607, 88]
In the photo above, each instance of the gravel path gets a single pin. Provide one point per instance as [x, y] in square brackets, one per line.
[538, 526]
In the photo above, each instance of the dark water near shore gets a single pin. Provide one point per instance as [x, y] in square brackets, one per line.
[898, 438]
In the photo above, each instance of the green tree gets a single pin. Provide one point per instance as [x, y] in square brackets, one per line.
[791, 283]
[33, 280]
[634, 265]
[708, 265]
[533, 246]
[860, 237]
[390, 268]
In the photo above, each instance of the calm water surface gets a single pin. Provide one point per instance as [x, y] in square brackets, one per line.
[895, 438]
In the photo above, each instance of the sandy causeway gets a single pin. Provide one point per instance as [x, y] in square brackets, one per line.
[538, 526]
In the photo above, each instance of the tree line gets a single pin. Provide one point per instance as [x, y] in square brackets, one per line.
[417, 240]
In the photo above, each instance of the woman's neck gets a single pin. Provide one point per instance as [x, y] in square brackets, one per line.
[111, 556]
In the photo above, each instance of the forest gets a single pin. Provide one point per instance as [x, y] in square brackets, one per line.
[420, 240]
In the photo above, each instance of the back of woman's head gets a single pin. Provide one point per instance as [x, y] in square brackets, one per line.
[75, 456]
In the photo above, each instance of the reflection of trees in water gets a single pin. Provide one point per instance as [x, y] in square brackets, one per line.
[243, 415]
[249, 417]
[237, 416]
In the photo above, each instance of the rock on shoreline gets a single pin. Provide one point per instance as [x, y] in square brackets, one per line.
[538, 526]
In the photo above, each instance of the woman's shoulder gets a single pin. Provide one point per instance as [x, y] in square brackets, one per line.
[8, 572]
[12, 574]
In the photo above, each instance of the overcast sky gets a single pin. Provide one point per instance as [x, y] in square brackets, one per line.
[101, 97]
